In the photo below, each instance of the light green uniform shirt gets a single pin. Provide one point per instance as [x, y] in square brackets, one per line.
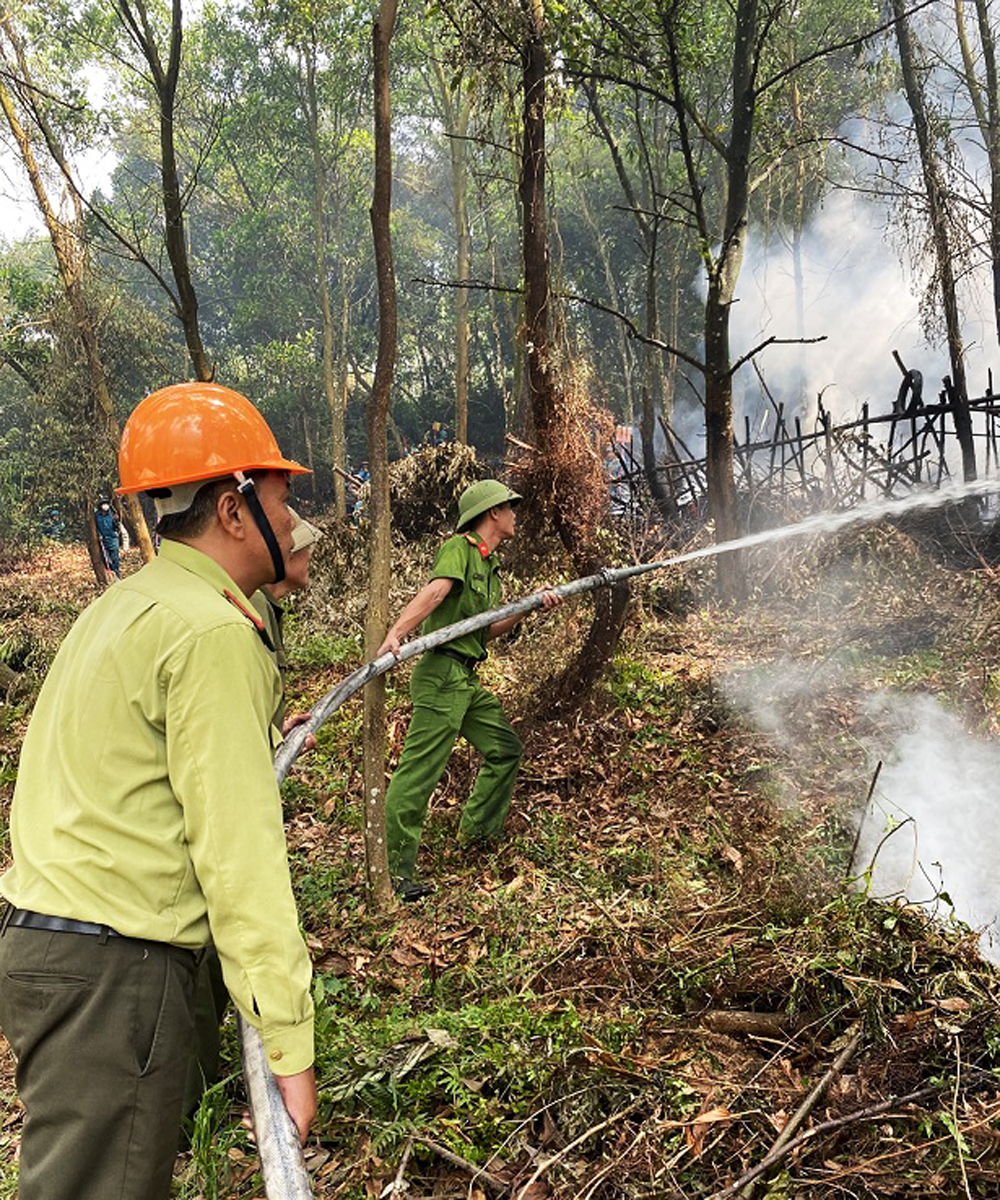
[146, 797]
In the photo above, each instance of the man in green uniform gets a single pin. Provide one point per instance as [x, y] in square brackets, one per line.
[147, 820]
[211, 994]
[268, 600]
[448, 698]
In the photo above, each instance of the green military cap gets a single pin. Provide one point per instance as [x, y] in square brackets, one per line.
[478, 497]
[304, 534]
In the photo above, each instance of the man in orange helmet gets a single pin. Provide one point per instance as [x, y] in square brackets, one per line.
[147, 821]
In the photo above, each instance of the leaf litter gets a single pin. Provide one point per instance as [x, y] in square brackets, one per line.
[634, 993]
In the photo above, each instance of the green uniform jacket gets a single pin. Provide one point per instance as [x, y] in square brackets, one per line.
[465, 559]
[272, 613]
[146, 797]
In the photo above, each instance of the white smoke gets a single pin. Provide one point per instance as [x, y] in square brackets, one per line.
[861, 297]
[927, 836]
[929, 827]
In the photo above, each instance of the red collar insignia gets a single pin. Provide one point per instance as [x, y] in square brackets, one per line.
[255, 620]
[252, 617]
[483, 549]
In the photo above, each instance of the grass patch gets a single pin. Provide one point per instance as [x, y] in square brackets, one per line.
[669, 858]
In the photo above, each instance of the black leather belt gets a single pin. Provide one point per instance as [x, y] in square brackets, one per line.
[23, 918]
[465, 659]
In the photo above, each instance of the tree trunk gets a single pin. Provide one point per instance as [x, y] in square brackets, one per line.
[94, 549]
[535, 243]
[673, 330]
[71, 261]
[723, 269]
[986, 104]
[456, 108]
[376, 861]
[331, 390]
[937, 205]
[798, 228]
[546, 401]
[134, 16]
[719, 424]
[338, 415]
[652, 383]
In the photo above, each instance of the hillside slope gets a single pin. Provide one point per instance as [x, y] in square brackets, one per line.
[643, 985]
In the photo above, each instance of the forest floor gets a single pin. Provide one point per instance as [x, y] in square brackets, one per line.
[669, 960]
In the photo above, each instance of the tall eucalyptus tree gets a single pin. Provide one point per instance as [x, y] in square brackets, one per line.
[942, 235]
[981, 80]
[453, 98]
[645, 188]
[512, 42]
[721, 69]
[159, 44]
[327, 48]
[25, 108]
[377, 617]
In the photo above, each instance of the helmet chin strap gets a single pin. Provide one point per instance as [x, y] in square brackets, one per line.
[249, 493]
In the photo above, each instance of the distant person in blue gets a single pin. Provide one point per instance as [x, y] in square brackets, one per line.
[438, 434]
[109, 533]
[52, 524]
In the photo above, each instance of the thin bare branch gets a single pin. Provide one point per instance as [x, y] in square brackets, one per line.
[773, 341]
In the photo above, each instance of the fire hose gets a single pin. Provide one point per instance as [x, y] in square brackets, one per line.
[282, 1165]
[281, 1160]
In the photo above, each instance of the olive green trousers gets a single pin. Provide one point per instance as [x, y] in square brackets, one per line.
[448, 701]
[102, 1030]
[211, 999]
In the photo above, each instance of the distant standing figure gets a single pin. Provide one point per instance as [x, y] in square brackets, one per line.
[448, 697]
[109, 534]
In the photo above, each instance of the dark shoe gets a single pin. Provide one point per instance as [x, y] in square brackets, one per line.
[409, 892]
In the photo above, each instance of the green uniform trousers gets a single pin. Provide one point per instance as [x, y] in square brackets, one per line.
[101, 1029]
[211, 999]
[449, 700]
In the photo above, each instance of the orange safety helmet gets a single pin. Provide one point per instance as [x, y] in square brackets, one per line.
[195, 431]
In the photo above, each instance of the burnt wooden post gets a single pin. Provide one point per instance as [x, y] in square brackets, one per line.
[746, 427]
[990, 416]
[748, 452]
[778, 425]
[692, 484]
[941, 437]
[916, 448]
[801, 457]
[959, 403]
[864, 448]
[824, 417]
[890, 451]
[697, 464]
